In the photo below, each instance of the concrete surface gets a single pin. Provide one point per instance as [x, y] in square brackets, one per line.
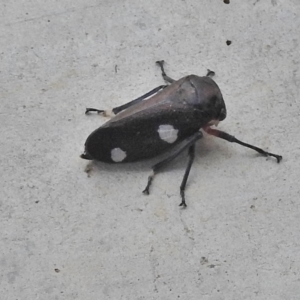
[65, 235]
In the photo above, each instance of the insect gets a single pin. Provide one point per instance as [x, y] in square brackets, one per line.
[169, 117]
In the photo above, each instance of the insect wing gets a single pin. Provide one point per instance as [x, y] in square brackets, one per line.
[144, 134]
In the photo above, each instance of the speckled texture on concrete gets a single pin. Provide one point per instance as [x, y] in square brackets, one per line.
[65, 235]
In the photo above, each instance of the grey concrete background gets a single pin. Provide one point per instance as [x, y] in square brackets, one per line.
[65, 235]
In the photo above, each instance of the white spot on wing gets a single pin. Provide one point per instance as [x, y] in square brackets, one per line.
[117, 154]
[167, 133]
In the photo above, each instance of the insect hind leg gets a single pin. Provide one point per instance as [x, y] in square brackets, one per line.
[230, 138]
[163, 73]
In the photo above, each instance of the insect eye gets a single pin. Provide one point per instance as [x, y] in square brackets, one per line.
[222, 114]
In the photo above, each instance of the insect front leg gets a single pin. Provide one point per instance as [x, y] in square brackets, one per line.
[210, 73]
[187, 143]
[163, 73]
[116, 110]
[232, 139]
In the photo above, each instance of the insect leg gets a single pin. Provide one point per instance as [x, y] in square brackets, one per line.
[232, 139]
[187, 143]
[210, 73]
[118, 109]
[163, 73]
[186, 175]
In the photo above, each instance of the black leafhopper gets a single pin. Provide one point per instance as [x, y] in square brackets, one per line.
[170, 116]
